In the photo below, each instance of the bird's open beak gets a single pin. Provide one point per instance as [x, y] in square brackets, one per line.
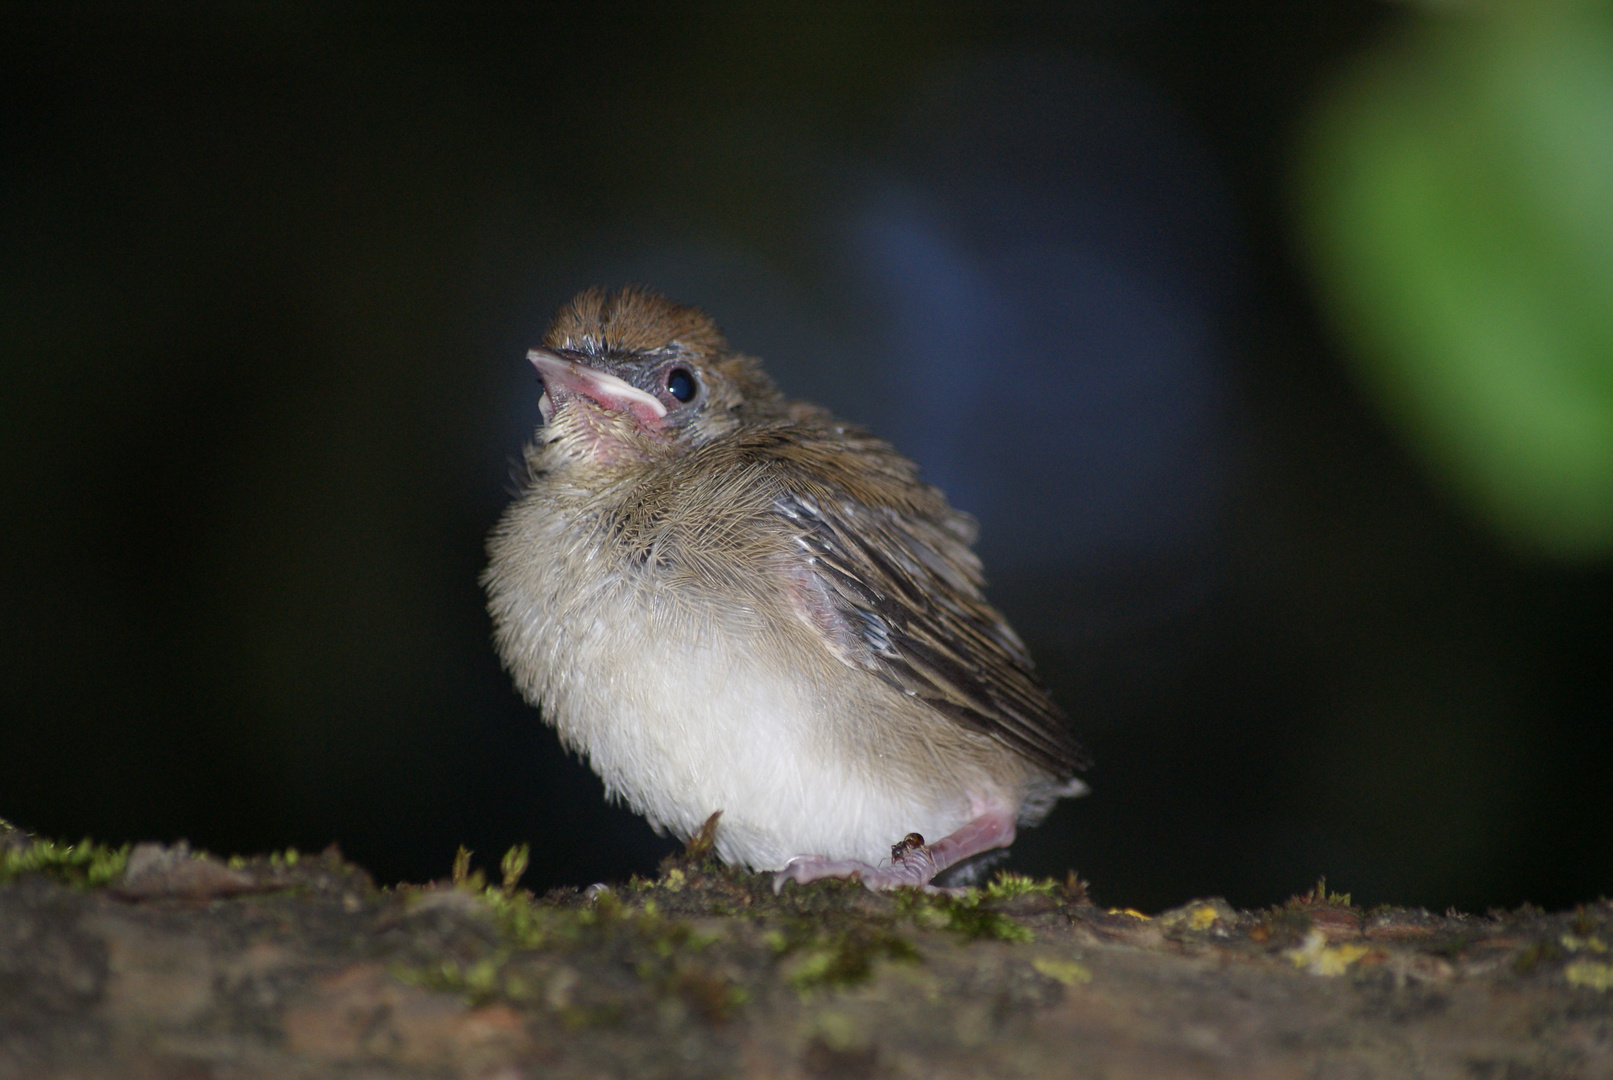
[564, 378]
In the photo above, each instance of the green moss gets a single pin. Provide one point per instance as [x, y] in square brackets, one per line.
[815, 958]
[1068, 972]
[523, 923]
[513, 865]
[478, 982]
[662, 953]
[1536, 954]
[1007, 885]
[961, 915]
[462, 875]
[86, 864]
[1319, 897]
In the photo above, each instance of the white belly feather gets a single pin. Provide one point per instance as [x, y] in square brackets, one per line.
[677, 711]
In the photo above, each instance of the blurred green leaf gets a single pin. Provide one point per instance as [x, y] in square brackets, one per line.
[1455, 201]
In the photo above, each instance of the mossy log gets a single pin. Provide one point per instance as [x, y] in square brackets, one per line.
[162, 962]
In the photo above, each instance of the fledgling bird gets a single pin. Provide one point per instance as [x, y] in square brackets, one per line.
[728, 601]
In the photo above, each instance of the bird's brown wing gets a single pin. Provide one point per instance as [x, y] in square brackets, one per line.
[896, 590]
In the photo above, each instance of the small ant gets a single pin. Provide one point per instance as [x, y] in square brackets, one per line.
[909, 844]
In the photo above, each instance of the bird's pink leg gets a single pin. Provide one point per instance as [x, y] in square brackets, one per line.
[991, 828]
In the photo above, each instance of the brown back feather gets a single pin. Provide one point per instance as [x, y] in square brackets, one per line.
[899, 589]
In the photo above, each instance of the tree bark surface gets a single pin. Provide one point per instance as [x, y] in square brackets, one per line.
[185, 966]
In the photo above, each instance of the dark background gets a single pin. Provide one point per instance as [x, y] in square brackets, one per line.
[268, 274]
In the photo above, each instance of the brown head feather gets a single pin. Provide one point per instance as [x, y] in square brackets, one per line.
[632, 320]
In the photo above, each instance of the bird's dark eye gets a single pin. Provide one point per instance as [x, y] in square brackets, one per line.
[680, 384]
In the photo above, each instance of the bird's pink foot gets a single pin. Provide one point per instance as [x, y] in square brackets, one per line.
[915, 871]
[913, 862]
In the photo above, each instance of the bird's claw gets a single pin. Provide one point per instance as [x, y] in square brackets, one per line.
[913, 869]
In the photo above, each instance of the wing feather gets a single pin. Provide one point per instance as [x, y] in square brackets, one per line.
[900, 591]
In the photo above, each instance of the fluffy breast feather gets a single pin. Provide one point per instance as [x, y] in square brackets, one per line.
[661, 639]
